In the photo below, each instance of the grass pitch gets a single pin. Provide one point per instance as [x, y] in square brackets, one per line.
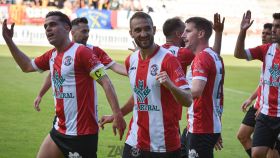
[23, 129]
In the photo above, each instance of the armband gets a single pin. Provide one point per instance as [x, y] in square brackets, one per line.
[96, 75]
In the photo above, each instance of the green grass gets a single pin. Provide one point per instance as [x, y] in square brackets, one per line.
[23, 129]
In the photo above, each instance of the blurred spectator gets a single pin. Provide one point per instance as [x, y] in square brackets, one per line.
[114, 4]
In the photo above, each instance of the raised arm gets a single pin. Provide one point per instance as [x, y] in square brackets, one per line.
[22, 60]
[246, 22]
[45, 87]
[182, 96]
[218, 27]
[118, 68]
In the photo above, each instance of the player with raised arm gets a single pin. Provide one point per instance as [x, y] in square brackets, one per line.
[80, 34]
[267, 125]
[247, 127]
[207, 78]
[73, 70]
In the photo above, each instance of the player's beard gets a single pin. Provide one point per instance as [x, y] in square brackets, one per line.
[145, 45]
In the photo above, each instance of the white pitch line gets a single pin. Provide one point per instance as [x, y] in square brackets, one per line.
[236, 91]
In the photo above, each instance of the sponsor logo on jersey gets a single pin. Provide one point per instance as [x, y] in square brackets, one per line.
[58, 83]
[141, 91]
[68, 61]
[275, 74]
[154, 69]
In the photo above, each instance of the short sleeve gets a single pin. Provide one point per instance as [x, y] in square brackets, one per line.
[258, 52]
[41, 63]
[201, 66]
[127, 63]
[175, 72]
[87, 59]
[103, 57]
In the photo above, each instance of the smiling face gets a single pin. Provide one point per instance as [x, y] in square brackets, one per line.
[190, 36]
[56, 31]
[142, 31]
[80, 33]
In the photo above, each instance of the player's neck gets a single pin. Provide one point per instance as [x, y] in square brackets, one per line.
[146, 53]
[63, 46]
[201, 47]
[172, 42]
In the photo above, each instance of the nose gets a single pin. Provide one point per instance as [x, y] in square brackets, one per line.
[183, 34]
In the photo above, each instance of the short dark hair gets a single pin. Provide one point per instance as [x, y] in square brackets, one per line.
[140, 15]
[202, 24]
[267, 26]
[276, 16]
[62, 17]
[171, 25]
[76, 21]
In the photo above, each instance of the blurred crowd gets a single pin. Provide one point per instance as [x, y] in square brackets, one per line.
[133, 5]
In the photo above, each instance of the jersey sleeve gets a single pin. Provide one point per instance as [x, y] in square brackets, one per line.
[258, 52]
[41, 63]
[201, 67]
[88, 60]
[127, 63]
[175, 72]
[103, 57]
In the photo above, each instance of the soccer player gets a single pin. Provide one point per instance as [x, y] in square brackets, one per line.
[247, 127]
[80, 34]
[73, 70]
[207, 77]
[173, 29]
[267, 125]
[159, 85]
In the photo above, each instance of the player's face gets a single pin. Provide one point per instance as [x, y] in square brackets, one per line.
[56, 31]
[142, 31]
[80, 33]
[190, 36]
[266, 36]
[275, 36]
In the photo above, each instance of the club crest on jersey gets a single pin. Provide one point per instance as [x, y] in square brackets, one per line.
[67, 61]
[141, 91]
[154, 69]
[275, 72]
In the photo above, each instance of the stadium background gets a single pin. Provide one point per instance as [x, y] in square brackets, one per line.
[22, 129]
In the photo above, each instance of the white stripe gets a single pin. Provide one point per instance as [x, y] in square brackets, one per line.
[266, 77]
[132, 134]
[70, 104]
[156, 124]
[215, 100]
[200, 78]
[248, 54]
[35, 66]
[95, 101]
[190, 118]
[109, 65]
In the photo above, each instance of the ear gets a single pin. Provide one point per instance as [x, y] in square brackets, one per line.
[154, 29]
[67, 27]
[201, 33]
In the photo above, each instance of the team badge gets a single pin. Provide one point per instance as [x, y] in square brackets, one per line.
[135, 152]
[154, 69]
[68, 61]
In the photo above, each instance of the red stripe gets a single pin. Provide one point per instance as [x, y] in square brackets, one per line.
[129, 128]
[170, 109]
[86, 121]
[59, 101]
[143, 116]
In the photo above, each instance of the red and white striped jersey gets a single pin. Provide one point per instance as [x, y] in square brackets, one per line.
[185, 57]
[258, 99]
[74, 90]
[204, 115]
[102, 56]
[270, 56]
[154, 126]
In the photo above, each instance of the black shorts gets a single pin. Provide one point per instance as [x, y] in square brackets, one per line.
[79, 146]
[184, 151]
[250, 117]
[131, 152]
[266, 131]
[201, 145]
